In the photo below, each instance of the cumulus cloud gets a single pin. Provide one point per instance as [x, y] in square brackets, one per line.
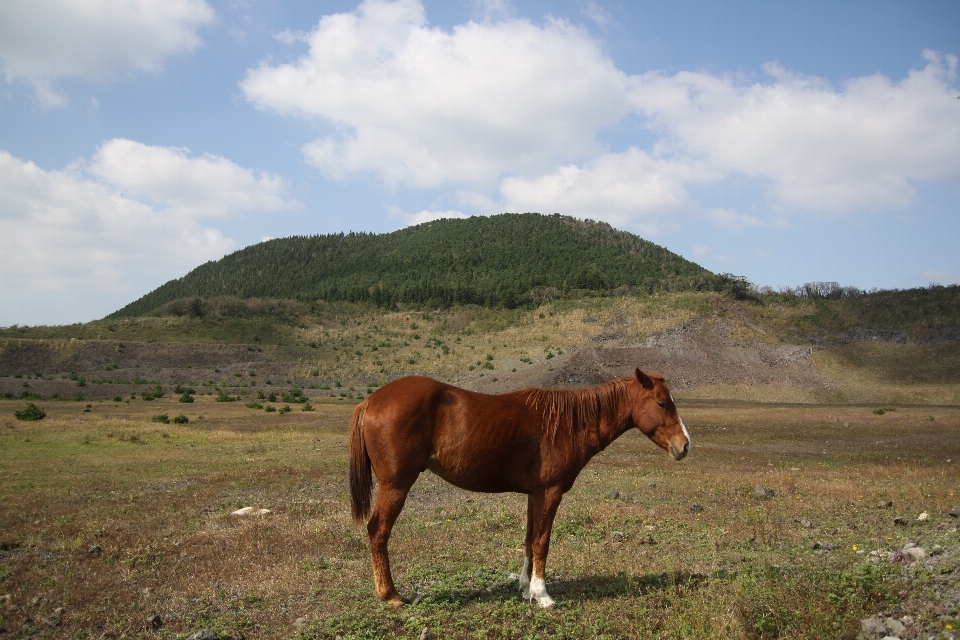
[823, 149]
[507, 112]
[209, 185]
[411, 219]
[420, 106]
[45, 40]
[614, 187]
[93, 228]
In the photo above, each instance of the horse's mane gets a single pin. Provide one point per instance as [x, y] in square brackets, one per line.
[576, 409]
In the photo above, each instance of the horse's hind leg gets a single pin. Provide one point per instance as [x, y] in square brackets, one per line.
[389, 503]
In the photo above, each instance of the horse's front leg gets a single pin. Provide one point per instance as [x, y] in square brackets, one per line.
[527, 551]
[545, 506]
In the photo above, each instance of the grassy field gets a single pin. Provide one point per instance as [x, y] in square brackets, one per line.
[108, 519]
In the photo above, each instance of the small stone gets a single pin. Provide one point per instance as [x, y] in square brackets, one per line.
[97, 533]
[203, 634]
[894, 626]
[264, 512]
[954, 513]
[923, 516]
[299, 622]
[872, 629]
[618, 536]
[614, 495]
[696, 507]
[763, 493]
[426, 634]
[513, 577]
[95, 551]
[807, 524]
[652, 485]
[826, 546]
[901, 522]
[245, 511]
[914, 554]
[154, 622]
[646, 540]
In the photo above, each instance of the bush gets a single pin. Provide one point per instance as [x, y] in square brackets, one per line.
[269, 408]
[254, 405]
[32, 412]
[307, 407]
[285, 409]
[162, 418]
[223, 396]
[181, 419]
[186, 398]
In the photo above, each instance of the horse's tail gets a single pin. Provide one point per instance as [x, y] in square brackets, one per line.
[361, 478]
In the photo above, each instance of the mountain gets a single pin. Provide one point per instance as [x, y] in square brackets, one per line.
[508, 260]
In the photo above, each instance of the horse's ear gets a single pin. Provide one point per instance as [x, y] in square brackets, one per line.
[645, 381]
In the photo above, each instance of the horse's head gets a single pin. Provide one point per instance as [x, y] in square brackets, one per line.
[655, 414]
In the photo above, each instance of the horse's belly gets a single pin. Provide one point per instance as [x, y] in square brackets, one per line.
[476, 479]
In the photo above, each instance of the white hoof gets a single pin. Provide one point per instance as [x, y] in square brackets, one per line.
[538, 592]
[546, 602]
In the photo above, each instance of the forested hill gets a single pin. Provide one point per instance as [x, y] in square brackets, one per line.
[504, 260]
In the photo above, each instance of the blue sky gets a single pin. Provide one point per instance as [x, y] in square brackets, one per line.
[786, 142]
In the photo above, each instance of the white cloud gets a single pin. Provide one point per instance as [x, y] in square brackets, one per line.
[823, 149]
[209, 186]
[618, 188]
[95, 230]
[420, 106]
[44, 40]
[411, 219]
[515, 107]
[940, 277]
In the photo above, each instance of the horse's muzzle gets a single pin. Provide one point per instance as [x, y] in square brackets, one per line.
[679, 453]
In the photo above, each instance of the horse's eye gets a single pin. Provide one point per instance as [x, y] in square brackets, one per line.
[662, 404]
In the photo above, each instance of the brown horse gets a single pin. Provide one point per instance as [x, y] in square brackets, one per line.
[532, 441]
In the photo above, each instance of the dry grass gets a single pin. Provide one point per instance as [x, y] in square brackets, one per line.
[116, 518]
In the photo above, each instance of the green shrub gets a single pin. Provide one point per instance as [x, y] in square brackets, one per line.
[269, 408]
[285, 409]
[254, 405]
[223, 396]
[181, 419]
[186, 398]
[307, 407]
[31, 412]
[163, 418]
